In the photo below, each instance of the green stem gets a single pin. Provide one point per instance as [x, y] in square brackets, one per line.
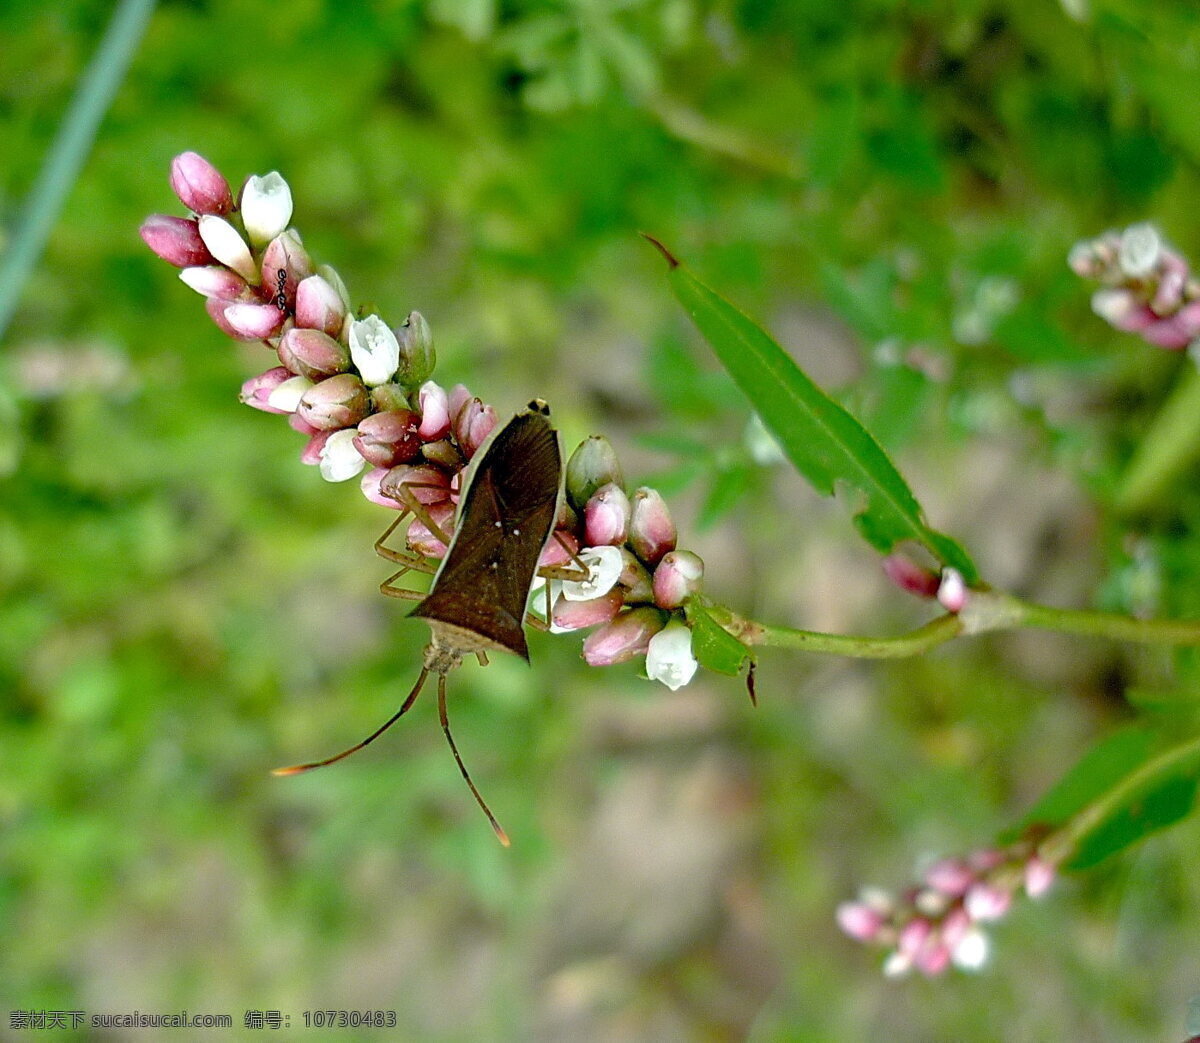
[985, 611]
[913, 643]
[92, 97]
[1110, 625]
[1167, 448]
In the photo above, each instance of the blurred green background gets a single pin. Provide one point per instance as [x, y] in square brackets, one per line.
[892, 188]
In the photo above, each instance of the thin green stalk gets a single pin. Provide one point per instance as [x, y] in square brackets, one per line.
[913, 643]
[986, 611]
[1164, 451]
[1110, 625]
[65, 159]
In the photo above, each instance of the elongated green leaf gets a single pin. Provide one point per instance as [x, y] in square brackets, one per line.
[714, 647]
[824, 442]
[1120, 792]
[1096, 773]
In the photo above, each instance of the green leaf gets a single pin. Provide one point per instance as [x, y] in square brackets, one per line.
[714, 647]
[1101, 768]
[824, 442]
[1120, 792]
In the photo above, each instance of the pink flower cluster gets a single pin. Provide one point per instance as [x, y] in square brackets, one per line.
[937, 923]
[1147, 287]
[360, 392]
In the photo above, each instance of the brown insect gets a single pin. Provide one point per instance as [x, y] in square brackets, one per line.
[476, 603]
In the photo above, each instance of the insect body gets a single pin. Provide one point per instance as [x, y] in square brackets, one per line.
[476, 603]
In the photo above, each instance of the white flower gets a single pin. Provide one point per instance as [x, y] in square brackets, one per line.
[971, 952]
[537, 601]
[266, 207]
[1141, 247]
[1114, 305]
[286, 396]
[340, 461]
[374, 350]
[669, 657]
[226, 244]
[604, 565]
[952, 590]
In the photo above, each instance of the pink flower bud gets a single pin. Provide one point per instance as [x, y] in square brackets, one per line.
[986, 902]
[1039, 876]
[913, 935]
[558, 550]
[472, 424]
[956, 925]
[1176, 331]
[434, 407]
[284, 263]
[312, 354]
[387, 439]
[370, 489]
[425, 483]
[254, 321]
[985, 859]
[176, 240]
[257, 390]
[305, 428]
[199, 185]
[336, 402]
[319, 307]
[932, 958]
[422, 539]
[215, 280]
[593, 464]
[651, 530]
[310, 455]
[459, 397]
[910, 576]
[1168, 297]
[859, 921]
[626, 637]
[1122, 309]
[216, 312]
[606, 517]
[576, 615]
[950, 876]
[678, 576]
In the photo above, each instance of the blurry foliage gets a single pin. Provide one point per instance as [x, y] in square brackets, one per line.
[183, 606]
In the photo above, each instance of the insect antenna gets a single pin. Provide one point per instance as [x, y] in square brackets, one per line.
[500, 834]
[296, 769]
